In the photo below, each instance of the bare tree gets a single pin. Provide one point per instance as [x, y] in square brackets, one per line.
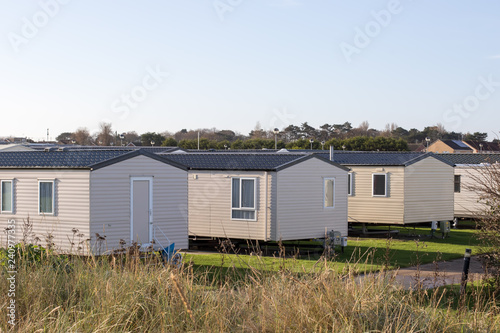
[131, 136]
[258, 132]
[440, 130]
[485, 181]
[105, 135]
[82, 136]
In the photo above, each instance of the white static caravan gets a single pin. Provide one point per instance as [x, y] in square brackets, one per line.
[264, 196]
[397, 187]
[468, 166]
[119, 195]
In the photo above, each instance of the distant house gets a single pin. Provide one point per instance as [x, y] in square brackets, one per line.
[468, 166]
[418, 147]
[120, 195]
[397, 187]
[264, 196]
[449, 146]
[483, 146]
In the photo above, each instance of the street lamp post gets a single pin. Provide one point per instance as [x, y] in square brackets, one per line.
[276, 132]
[323, 145]
[311, 141]
[152, 143]
[427, 140]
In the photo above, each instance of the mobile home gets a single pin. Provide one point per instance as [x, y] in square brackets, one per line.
[93, 200]
[467, 167]
[264, 196]
[397, 187]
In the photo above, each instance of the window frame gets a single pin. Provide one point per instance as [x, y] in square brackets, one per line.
[245, 209]
[385, 185]
[350, 178]
[324, 192]
[11, 211]
[53, 182]
[455, 183]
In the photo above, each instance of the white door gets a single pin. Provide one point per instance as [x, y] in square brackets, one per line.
[141, 209]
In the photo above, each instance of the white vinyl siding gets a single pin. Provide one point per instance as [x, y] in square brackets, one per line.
[6, 196]
[300, 207]
[72, 207]
[329, 192]
[210, 205]
[467, 202]
[366, 208]
[46, 197]
[110, 201]
[428, 191]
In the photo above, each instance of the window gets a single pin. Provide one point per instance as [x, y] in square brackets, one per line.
[379, 182]
[457, 184]
[329, 191]
[6, 196]
[349, 183]
[46, 197]
[243, 199]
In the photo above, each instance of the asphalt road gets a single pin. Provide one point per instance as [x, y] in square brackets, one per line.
[434, 275]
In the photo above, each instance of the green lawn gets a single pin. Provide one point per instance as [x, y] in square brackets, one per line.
[410, 247]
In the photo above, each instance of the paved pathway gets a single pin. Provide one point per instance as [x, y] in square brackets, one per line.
[447, 272]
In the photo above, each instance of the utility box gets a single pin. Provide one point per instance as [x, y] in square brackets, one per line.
[444, 226]
[344, 242]
[337, 238]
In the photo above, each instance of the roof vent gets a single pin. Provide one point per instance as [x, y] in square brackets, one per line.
[61, 149]
[282, 150]
[178, 151]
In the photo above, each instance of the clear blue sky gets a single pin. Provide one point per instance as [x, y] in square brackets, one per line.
[232, 63]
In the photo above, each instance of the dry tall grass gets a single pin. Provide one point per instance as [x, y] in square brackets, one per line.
[124, 294]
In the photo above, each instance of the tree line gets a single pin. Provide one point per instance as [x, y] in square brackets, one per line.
[304, 136]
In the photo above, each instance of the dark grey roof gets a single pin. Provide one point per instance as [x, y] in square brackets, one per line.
[394, 158]
[470, 158]
[241, 161]
[72, 159]
[264, 150]
[456, 145]
[152, 149]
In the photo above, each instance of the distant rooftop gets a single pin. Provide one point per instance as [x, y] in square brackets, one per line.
[484, 146]
[153, 149]
[456, 145]
[468, 158]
